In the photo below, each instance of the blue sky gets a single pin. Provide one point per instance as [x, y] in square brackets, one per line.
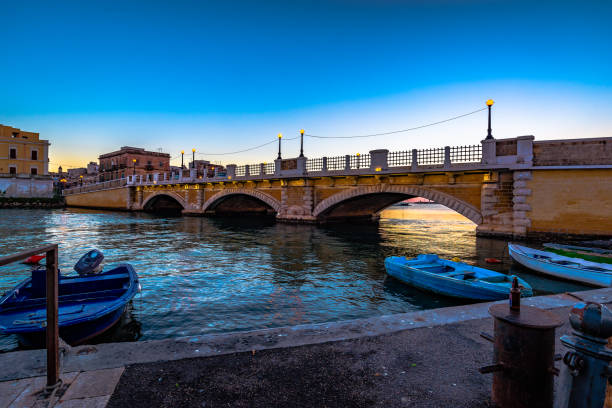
[222, 76]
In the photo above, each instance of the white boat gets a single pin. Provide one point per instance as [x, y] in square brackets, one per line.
[564, 267]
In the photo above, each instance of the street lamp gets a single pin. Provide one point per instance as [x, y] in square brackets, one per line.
[358, 159]
[134, 170]
[81, 177]
[193, 158]
[489, 134]
[182, 162]
[302, 143]
[280, 136]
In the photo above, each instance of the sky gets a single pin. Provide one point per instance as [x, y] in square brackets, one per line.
[228, 75]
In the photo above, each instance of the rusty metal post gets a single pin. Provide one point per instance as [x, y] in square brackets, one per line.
[52, 331]
[523, 357]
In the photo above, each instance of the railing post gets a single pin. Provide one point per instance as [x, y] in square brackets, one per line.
[52, 330]
[415, 159]
[277, 167]
[247, 171]
[231, 171]
[524, 150]
[379, 159]
[347, 163]
[301, 165]
[488, 151]
[262, 169]
[324, 167]
[447, 161]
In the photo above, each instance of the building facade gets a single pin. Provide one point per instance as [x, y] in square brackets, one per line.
[23, 152]
[131, 160]
[24, 164]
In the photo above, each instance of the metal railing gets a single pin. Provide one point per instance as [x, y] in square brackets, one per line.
[314, 164]
[52, 328]
[399, 159]
[430, 156]
[269, 168]
[255, 169]
[466, 154]
[240, 171]
[336, 163]
[360, 161]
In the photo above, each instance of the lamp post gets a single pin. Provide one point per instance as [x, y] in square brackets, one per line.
[358, 159]
[280, 136]
[182, 162]
[302, 143]
[193, 158]
[134, 171]
[489, 134]
[81, 177]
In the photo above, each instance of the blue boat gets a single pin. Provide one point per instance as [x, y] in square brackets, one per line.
[89, 303]
[455, 279]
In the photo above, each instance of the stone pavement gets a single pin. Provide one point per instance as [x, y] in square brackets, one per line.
[91, 389]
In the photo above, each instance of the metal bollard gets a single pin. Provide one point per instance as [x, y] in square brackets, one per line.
[523, 357]
[586, 371]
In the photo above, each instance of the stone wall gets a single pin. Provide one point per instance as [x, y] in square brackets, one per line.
[26, 187]
[570, 202]
[112, 199]
[572, 152]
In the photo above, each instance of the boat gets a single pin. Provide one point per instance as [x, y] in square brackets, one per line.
[450, 278]
[587, 253]
[89, 303]
[564, 267]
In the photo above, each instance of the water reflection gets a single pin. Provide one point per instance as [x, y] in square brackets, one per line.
[203, 275]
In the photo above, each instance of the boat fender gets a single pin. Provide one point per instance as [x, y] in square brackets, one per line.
[456, 259]
[492, 260]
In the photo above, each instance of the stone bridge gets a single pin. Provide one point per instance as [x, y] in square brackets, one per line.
[513, 187]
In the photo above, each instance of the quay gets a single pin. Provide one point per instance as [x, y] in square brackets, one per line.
[393, 361]
[517, 187]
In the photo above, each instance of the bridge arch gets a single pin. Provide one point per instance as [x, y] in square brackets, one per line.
[164, 201]
[213, 201]
[397, 193]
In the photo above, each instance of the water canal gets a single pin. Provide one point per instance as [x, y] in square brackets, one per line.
[206, 275]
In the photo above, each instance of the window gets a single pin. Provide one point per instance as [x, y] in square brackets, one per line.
[33, 171]
[161, 164]
[15, 134]
[12, 170]
[149, 162]
[34, 154]
[13, 153]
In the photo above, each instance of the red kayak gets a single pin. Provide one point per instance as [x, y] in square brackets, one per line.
[34, 259]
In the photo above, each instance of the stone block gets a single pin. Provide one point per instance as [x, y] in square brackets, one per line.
[95, 383]
[519, 214]
[520, 184]
[489, 199]
[488, 213]
[522, 191]
[519, 199]
[522, 207]
[522, 175]
[525, 222]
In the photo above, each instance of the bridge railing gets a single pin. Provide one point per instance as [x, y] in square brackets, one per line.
[373, 162]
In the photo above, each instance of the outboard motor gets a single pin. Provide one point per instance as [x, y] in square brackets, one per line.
[90, 263]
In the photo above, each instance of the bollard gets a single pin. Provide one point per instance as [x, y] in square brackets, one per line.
[586, 371]
[523, 356]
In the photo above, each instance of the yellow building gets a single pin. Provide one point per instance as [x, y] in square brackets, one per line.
[23, 152]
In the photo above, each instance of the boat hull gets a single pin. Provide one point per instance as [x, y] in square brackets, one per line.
[449, 286]
[78, 333]
[570, 273]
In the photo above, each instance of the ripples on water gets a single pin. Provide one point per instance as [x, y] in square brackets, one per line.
[204, 275]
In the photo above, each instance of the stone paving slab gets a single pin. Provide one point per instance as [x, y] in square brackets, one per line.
[94, 402]
[90, 384]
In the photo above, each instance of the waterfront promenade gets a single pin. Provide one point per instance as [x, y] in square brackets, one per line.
[419, 359]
